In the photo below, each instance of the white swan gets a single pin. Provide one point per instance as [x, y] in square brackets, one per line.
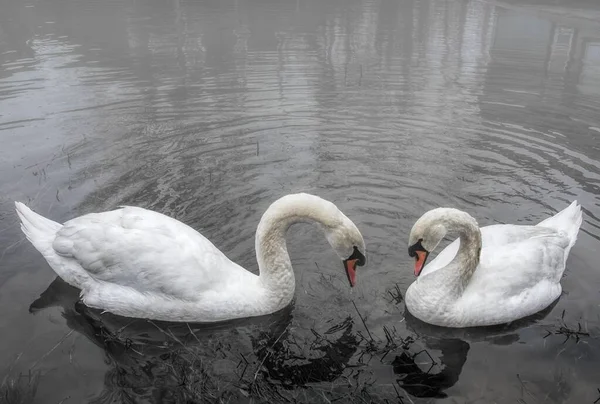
[138, 263]
[488, 276]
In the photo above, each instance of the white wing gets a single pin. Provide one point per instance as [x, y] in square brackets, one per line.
[515, 280]
[147, 251]
[493, 236]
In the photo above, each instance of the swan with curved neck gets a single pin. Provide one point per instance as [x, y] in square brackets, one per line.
[139, 263]
[489, 275]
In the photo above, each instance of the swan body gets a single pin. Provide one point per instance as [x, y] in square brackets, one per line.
[139, 263]
[490, 275]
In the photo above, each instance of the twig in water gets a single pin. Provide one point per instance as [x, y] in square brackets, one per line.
[10, 369]
[384, 355]
[318, 338]
[363, 321]
[398, 296]
[341, 326]
[268, 353]
[398, 394]
[568, 332]
[170, 334]
[325, 397]
[52, 349]
[12, 245]
[192, 332]
[433, 362]
[15, 391]
[388, 336]
[245, 367]
[524, 388]
[598, 399]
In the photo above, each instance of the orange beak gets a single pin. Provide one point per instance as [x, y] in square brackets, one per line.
[420, 259]
[350, 266]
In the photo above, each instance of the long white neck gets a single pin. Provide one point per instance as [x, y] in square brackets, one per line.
[457, 274]
[276, 273]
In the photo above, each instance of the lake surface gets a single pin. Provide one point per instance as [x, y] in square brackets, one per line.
[210, 110]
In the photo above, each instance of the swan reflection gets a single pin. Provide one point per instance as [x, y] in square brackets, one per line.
[162, 362]
[425, 374]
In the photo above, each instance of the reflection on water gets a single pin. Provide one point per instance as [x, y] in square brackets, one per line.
[162, 362]
[259, 358]
[209, 110]
[428, 383]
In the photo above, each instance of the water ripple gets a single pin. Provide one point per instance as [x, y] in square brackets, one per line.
[208, 111]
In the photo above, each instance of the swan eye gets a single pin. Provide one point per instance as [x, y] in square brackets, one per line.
[357, 255]
[418, 246]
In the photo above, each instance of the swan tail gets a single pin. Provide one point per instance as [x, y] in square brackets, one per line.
[568, 221]
[39, 231]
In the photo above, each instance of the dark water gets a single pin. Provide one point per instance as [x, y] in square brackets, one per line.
[209, 110]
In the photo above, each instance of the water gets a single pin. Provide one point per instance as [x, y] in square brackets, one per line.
[209, 110]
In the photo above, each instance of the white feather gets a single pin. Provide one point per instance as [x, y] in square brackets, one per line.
[518, 274]
[139, 263]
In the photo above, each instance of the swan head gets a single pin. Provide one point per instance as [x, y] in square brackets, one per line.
[341, 233]
[425, 236]
[348, 243]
